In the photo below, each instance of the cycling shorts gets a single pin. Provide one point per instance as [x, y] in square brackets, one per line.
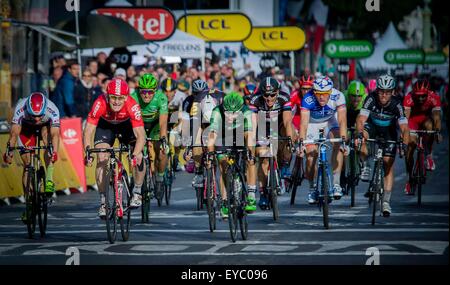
[106, 133]
[312, 132]
[388, 133]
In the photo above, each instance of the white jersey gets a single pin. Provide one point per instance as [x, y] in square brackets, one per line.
[319, 114]
[21, 115]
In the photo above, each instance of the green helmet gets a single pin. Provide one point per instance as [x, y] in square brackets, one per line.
[356, 88]
[148, 81]
[233, 102]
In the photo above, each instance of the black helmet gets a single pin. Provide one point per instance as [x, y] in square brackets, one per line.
[168, 84]
[269, 85]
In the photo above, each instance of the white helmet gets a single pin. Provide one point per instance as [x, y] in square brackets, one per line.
[323, 84]
[385, 82]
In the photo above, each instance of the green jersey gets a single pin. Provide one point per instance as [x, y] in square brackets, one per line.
[151, 111]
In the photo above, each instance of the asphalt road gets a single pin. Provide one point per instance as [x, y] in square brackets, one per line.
[178, 234]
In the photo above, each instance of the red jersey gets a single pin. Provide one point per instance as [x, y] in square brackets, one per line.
[433, 103]
[296, 102]
[130, 111]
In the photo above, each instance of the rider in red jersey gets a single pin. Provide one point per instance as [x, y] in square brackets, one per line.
[306, 84]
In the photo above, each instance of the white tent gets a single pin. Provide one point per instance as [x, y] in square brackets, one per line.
[389, 40]
[180, 44]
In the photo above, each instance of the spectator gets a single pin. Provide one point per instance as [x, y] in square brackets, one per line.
[83, 94]
[120, 73]
[92, 67]
[131, 72]
[65, 89]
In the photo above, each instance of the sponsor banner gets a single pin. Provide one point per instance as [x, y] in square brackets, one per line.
[182, 49]
[273, 39]
[435, 58]
[155, 24]
[233, 27]
[404, 56]
[10, 175]
[348, 49]
[72, 139]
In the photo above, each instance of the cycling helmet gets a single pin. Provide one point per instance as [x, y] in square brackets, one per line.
[306, 81]
[249, 89]
[199, 86]
[269, 85]
[168, 84]
[385, 82]
[233, 102]
[421, 87]
[118, 87]
[356, 88]
[148, 81]
[372, 85]
[36, 104]
[323, 84]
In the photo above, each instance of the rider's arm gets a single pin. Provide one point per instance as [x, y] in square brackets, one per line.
[54, 134]
[342, 121]
[211, 141]
[436, 113]
[139, 133]
[364, 114]
[89, 131]
[163, 125]
[13, 134]
[305, 114]
[360, 121]
[403, 123]
[287, 121]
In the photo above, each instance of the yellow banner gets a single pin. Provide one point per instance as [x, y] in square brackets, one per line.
[233, 27]
[273, 39]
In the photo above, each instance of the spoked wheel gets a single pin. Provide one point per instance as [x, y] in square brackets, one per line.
[110, 204]
[42, 202]
[199, 193]
[297, 178]
[145, 208]
[324, 202]
[273, 199]
[420, 176]
[168, 186]
[125, 220]
[232, 206]
[31, 208]
[210, 199]
[242, 215]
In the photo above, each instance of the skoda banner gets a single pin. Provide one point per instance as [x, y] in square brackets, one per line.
[404, 56]
[273, 39]
[233, 27]
[348, 49]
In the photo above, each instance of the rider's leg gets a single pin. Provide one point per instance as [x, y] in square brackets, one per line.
[101, 171]
[363, 154]
[410, 154]
[26, 160]
[251, 181]
[428, 144]
[263, 171]
[388, 184]
[337, 160]
[223, 191]
[310, 172]
[49, 184]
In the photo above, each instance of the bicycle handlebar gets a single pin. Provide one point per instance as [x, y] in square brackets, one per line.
[318, 141]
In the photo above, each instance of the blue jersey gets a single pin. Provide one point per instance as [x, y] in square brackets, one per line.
[319, 114]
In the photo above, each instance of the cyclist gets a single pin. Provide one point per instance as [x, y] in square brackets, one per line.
[33, 113]
[323, 108]
[306, 84]
[423, 111]
[274, 107]
[154, 106]
[249, 91]
[114, 113]
[204, 101]
[175, 101]
[377, 118]
[231, 115]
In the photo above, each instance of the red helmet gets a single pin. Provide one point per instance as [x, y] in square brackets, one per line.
[36, 104]
[118, 87]
[307, 81]
[421, 87]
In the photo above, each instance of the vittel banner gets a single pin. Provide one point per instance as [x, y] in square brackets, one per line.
[155, 24]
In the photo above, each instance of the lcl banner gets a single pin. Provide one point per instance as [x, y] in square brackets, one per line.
[155, 24]
[273, 39]
[232, 27]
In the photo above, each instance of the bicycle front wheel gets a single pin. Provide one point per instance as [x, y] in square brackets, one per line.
[232, 205]
[210, 199]
[273, 198]
[110, 205]
[31, 204]
[325, 187]
[125, 220]
[145, 208]
[42, 202]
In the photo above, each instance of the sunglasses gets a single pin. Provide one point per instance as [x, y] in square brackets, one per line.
[355, 95]
[116, 98]
[306, 88]
[266, 95]
[322, 93]
[147, 92]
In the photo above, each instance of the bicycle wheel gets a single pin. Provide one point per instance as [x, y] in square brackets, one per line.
[420, 177]
[242, 215]
[376, 192]
[351, 183]
[30, 207]
[168, 186]
[146, 189]
[42, 202]
[325, 185]
[210, 198]
[295, 178]
[125, 220]
[232, 205]
[273, 201]
[110, 204]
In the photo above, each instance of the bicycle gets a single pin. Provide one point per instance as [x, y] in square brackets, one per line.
[210, 193]
[323, 182]
[36, 200]
[298, 175]
[352, 169]
[116, 198]
[376, 184]
[418, 177]
[237, 191]
[169, 176]
[274, 185]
